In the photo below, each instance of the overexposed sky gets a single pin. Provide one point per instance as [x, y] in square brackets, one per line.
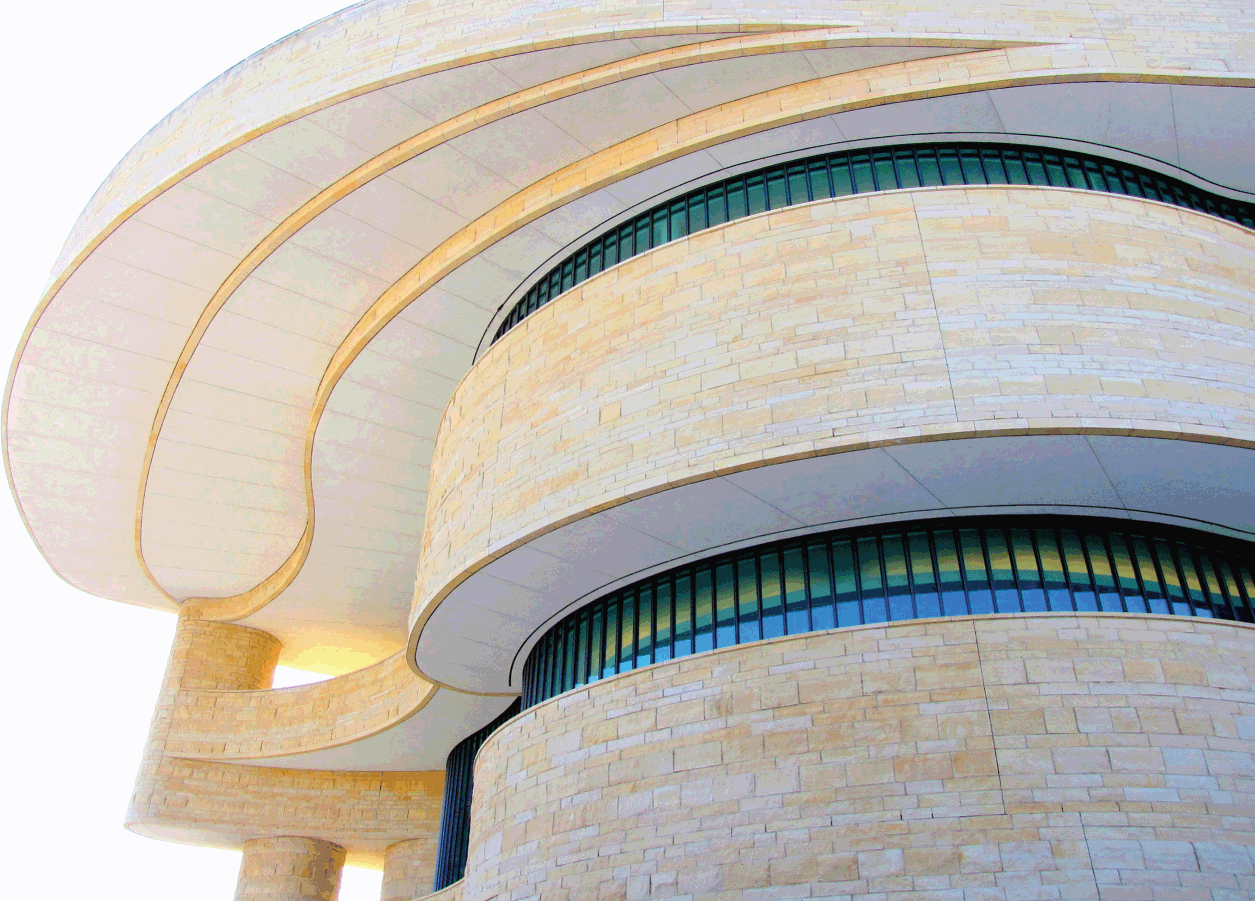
[84, 81]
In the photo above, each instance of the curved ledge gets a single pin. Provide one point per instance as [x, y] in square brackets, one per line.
[241, 605]
[245, 725]
[759, 113]
[874, 348]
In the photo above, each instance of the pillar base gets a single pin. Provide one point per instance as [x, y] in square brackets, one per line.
[289, 869]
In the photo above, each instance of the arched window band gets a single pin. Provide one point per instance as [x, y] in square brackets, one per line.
[861, 172]
[891, 574]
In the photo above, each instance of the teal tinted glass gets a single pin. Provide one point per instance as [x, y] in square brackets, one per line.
[725, 605]
[797, 608]
[879, 169]
[891, 573]
[704, 612]
[923, 577]
[662, 621]
[748, 628]
[819, 583]
[770, 593]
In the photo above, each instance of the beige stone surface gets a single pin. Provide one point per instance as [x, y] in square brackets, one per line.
[226, 725]
[1040, 757]
[838, 325]
[409, 868]
[226, 805]
[289, 869]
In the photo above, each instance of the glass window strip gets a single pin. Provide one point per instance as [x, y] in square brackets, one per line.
[895, 573]
[837, 175]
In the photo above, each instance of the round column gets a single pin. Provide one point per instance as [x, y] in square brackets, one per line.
[289, 869]
[408, 869]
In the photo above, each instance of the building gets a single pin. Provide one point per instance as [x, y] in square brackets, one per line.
[868, 515]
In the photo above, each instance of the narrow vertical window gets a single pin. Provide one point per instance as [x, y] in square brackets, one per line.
[929, 170]
[1078, 573]
[953, 601]
[747, 600]
[1173, 586]
[610, 658]
[645, 626]
[871, 581]
[1126, 574]
[819, 179]
[951, 171]
[725, 605]
[923, 578]
[662, 621]
[580, 646]
[627, 632]
[769, 591]
[1016, 173]
[995, 173]
[660, 231]
[1149, 574]
[1104, 577]
[1028, 571]
[882, 168]
[861, 172]
[736, 199]
[1002, 572]
[1193, 585]
[897, 584]
[797, 611]
[908, 175]
[756, 193]
[846, 584]
[777, 190]
[798, 188]
[975, 576]
[703, 612]
[684, 614]
[597, 644]
[679, 219]
[842, 182]
[697, 212]
[716, 206]
[819, 576]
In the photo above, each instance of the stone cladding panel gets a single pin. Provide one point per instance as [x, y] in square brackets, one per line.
[409, 869]
[289, 869]
[838, 325]
[226, 805]
[1046, 757]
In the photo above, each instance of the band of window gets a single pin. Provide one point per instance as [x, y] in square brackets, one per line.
[455, 814]
[889, 575]
[859, 172]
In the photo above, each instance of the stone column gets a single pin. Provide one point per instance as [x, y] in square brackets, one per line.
[289, 869]
[408, 869]
[208, 656]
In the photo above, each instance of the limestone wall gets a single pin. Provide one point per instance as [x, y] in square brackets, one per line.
[838, 325]
[1039, 757]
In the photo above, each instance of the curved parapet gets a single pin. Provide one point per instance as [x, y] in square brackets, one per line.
[242, 725]
[352, 761]
[880, 356]
[1033, 752]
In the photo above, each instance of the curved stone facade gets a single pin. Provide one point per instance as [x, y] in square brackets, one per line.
[289, 869]
[916, 315]
[908, 317]
[182, 798]
[259, 390]
[1041, 757]
[240, 725]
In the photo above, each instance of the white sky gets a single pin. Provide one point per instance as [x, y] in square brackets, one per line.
[84, 81]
